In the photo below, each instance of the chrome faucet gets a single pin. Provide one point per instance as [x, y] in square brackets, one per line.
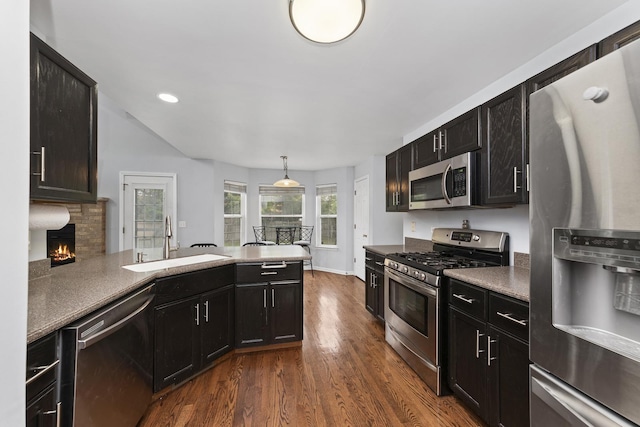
[168, 233]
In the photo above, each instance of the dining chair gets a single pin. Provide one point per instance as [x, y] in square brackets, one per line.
[304, 240]
[285, 235]
[260, 231]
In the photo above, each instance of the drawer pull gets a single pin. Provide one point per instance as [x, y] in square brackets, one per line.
[272, 266]
[508, 316]
[268, 273]
[465, 299]
[41, 371]
[368, 259]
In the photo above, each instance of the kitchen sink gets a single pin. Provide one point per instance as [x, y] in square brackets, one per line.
[173, 262]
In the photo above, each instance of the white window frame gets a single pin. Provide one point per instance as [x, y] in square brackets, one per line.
[301, 189]
[320, 191]
[243, 208]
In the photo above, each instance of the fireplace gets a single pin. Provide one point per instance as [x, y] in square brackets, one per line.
[61, 245]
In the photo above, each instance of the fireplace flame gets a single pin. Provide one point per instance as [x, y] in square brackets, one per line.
[62, 253]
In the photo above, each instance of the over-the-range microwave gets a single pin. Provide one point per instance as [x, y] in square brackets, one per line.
[450, 183]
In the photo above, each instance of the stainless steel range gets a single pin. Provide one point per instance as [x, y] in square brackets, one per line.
[415, 310]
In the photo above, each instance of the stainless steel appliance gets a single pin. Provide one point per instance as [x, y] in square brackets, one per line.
[107, 364]
[585, 245]
[415, 310]
[450, 183]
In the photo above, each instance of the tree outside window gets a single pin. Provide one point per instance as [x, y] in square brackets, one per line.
[280, 207]
[234, 213]
[327, 211]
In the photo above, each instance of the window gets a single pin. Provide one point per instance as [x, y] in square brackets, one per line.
[235, 195]
[280, 207]
[327, 212]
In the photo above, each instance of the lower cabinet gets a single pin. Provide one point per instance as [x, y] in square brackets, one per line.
[374, 284]
[268, 312]
[193, 331]
[43, 404]
[489, 354]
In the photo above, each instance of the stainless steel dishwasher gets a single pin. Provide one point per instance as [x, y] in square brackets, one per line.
[107, 364]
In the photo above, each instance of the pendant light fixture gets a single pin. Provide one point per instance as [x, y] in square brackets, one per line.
[326, 21]
[286, 181]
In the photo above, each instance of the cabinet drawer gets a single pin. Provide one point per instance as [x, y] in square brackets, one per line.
[42, 365]
[468, 298]
[186, 285]
[370, 259]
[268, 272]
[509, 315]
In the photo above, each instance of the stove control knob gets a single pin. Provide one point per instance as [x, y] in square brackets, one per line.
[423, 277]
[394, 265]
[476, 238]
[405, 269]
[416, 274]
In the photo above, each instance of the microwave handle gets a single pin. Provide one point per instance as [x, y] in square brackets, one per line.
[444, 184]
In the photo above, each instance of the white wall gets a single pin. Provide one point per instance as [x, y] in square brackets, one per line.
[514, 221]
[14, 175]
[125, 144]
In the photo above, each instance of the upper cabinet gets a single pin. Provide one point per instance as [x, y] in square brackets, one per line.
[504, 149]
[619, 39]
[399, 163]
[561, 69]
[63, 128]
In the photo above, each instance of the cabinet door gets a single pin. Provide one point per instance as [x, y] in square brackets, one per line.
[43, 411]
[370, 292]
[176, 349]
[405, 162]
[461, 135]
[619, 39]
[216, 323]
[561, 69]
[251, 315]
[504, 148]
[379, 289]
[392, 187]
[467, 360]
[285, 319]
[508, 380]
[426, 150]
[63, 128]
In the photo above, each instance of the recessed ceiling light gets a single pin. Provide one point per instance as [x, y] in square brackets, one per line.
[167, 97]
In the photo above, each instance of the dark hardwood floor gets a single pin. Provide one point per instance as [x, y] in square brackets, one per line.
[344, 374]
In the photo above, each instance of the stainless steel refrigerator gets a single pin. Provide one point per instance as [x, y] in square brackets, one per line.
[585, 245]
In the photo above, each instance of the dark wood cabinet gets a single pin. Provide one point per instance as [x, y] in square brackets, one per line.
[504, 160]
[43, 403]
[426, 150]
[460, 135]
[374, 284]
[268, 303]
[489, 354]
[561, 69]
[399, 163]
[194, 321]
[619, 39]
[63, 128]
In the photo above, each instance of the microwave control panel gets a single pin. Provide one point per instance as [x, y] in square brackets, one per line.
[459, 182]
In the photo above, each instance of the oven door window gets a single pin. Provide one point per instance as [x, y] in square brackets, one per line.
[411, 306]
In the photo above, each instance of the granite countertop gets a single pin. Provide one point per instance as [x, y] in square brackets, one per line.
[72, 291]
[510, 281]
[385, 249]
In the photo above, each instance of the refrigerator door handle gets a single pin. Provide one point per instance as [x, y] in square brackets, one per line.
[570, 404]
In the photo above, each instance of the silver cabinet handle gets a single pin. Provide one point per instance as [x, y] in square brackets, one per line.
[264, 297]
[443, 139]
[367, 258]
[273, 298]
[513, 319]
[268, 273]
[272, 266]
[489, 342]
[434, 143]
[56, 412]
[42, 163]
[381, 264]
[516, 187]
[41, 371]
[528, 177]
[478, 351]
[444, 184]
[197, 314]
[206, 311]
[463, 298]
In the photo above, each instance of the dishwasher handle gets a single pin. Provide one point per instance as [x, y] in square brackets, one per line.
[82, 344]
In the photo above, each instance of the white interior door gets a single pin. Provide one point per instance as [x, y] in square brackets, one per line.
[361, 224]
[147, 199]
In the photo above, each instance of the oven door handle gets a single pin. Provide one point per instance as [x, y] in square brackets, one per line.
[444, 184]
[415, 285]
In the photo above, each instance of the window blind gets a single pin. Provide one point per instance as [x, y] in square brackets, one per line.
[270, 190]
[325, 190]
[236, 187]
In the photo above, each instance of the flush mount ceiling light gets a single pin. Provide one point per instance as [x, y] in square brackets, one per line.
[286, 181]
[326, 21]
[167, 97]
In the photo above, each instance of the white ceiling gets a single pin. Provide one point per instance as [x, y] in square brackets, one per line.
[252, 89]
